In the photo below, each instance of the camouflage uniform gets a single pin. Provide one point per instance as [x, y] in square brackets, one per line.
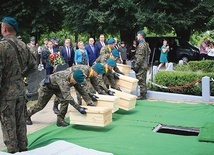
[60, 86]
[89, 85]
[106, 52]
[107, 78]
[34, 51]
[141, 64]
[12, 92]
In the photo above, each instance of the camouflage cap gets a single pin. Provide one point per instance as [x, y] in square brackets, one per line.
[11, 21]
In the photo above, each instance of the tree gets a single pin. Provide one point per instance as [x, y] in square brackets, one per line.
[181, 15]
[129, 16]
[35, 17]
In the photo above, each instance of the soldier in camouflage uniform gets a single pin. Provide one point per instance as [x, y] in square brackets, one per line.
[115, 55]
[108, 48]
[108, 77]
[33, 48]
[90, 83]
[141, 67]
[16, 61]
[59, 84]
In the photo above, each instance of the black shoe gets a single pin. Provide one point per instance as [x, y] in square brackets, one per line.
[62, 123]
[28, 121]
[141, 98]
[56, 110]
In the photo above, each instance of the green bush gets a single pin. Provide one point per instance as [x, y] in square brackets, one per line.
[205, 66]
[180, 79]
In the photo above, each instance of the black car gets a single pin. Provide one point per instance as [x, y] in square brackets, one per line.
[179, 49]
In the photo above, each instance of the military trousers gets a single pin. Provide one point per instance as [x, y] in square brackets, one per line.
[13, 123]
[141, 76]
[45, 94]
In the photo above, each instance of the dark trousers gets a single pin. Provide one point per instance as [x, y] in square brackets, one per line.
[202, 56]
[49, 71]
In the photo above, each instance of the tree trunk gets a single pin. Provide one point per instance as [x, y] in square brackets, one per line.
[127, 36]
[76, 37]
[183, 33]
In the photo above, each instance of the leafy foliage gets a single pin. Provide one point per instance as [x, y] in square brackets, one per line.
[185, 74]
[205, 66]
[124, 17]
[180, 79]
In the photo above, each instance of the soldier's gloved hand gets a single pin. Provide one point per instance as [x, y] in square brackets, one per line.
[136, 69]
[116, 75]
[80, 109]
[111, 93]
[118, 88]
[94, 97]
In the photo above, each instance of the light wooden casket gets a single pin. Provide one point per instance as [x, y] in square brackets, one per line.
[127, 101]
[96, 116]
[106, 101]
[127, 84]
[124, 68]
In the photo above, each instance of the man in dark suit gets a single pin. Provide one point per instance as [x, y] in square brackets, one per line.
[67, 53]
[99, 44]
[45, 55]
[92, 51]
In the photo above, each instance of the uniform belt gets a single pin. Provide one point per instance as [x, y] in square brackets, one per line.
[13, 78]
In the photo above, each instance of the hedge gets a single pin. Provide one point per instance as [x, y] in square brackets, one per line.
[183, 76]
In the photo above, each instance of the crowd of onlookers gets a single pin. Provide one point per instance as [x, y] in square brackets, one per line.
[206, 50]
[79, 53]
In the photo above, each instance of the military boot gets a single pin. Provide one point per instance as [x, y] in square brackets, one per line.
[29, 121]
[61, 122]
[141, 97]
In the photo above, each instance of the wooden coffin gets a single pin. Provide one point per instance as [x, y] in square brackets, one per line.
[127, 84]
[127, 101]
[124, 68]
[96, 116]
[106, 101]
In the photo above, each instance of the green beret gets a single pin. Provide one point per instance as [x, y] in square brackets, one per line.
[111, 62]
[115, 53]
[142, 33]
[11, 21]
[99, 68]
[57, 40]
[111, 41]
[53, 38]
[32, 38]
[78, 76]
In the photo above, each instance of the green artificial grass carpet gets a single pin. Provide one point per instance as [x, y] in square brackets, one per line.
[206, 133]
[131, 133]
